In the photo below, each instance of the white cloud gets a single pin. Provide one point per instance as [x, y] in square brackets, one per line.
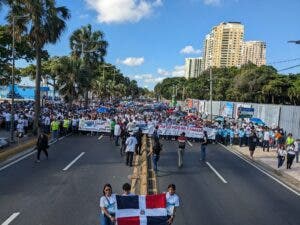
[120, 11]
[212, 2]
[147, 78]
[83, 16]
[163, 72]
[132, 61]
[190, 50]
[142, 76]
[178, 71]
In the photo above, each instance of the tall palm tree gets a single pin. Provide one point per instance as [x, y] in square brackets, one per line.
[70, 77]
[90, 46]
[44, 23]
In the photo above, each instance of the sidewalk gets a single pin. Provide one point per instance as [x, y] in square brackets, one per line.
[269, 161]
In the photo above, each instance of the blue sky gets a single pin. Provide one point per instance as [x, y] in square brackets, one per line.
[149, 39]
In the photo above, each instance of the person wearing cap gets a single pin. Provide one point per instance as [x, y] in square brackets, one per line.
[131, 142]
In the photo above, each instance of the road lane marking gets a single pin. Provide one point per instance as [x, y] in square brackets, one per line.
[68, 166]
[216, 172]
[26, 155]
[11, 218]
[101, 136]
[18, 160]
[190, 144]
[263, 171]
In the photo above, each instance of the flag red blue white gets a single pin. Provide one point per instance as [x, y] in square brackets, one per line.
[141, 210]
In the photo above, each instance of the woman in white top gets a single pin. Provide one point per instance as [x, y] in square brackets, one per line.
[172, 202]
[107, 205]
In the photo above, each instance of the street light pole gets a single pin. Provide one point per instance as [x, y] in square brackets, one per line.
[210, 92]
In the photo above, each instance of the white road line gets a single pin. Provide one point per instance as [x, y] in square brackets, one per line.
[216, 172]
[11, 218]
[18, 160]
[68, 166]
[101, 136]
[264, 172]
[190, 144]
[24, 157]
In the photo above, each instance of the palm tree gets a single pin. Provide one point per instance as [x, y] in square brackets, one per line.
[70, 78]
[44, 23]
[90, 46]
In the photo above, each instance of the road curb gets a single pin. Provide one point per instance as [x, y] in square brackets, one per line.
[17, 149]
[280, 175]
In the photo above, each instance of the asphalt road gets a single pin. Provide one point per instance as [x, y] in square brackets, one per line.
[248, 198]
[44, 194]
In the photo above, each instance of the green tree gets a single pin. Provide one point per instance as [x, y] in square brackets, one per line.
[22, 51]
[90, 46]
[44, 23]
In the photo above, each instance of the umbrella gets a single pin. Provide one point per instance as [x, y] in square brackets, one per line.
[102, 110]
[257, 121]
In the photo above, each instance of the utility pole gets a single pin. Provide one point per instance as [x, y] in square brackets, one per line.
[12, 120]
[210, 92]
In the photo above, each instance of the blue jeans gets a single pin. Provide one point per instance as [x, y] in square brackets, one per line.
[117, 140]
[203, 152]
[155, 159]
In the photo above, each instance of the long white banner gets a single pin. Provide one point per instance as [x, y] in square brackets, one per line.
[165, 130]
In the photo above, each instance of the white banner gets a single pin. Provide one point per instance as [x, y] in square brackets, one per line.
[166, 130]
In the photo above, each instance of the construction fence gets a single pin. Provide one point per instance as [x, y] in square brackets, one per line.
[284, 116]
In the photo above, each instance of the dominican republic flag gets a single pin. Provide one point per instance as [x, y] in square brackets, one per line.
[141, 210]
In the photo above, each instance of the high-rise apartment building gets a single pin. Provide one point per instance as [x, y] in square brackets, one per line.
[255, 52]
[223, 46]
[193, 67]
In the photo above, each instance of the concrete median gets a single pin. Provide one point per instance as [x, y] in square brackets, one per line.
[11, 151]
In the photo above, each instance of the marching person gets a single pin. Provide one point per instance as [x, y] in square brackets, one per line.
[139, 137]
[181, 147]
[107, 206]
[252, 143]
[130, 148]
[204, 143]
[42, 145]
[281, 153]
[117, 133]
[155, 152]
[172, 203]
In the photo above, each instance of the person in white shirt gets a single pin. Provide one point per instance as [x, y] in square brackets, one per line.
[7, 121]
[131, 142]
[172, 202]
[266, 140]
[108, 206]
[20, 129]
[117, 133]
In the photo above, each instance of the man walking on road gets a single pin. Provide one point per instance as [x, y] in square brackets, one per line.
[204, 143]
[117, 133]
[42, 145]
[130, 148]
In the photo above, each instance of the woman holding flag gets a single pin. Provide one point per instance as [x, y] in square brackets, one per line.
[107, 205]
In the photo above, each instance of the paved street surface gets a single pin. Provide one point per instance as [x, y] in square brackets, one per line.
[44, 194]
[225, 190]
[249, 197]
